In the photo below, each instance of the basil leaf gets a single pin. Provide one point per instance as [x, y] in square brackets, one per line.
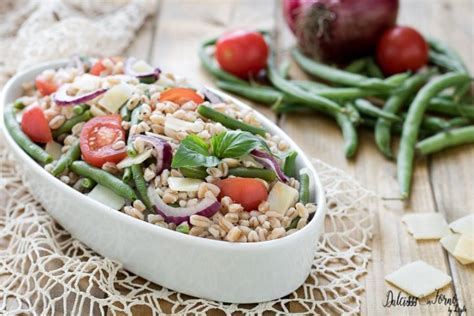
[234, 144]
[193, 152]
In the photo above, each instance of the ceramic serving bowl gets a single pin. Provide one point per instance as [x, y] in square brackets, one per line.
[210, 269]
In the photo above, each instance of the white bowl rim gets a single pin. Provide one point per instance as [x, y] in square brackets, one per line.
[192, 240]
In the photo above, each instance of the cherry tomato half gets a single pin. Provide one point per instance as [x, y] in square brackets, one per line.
[181, 96]
[35, 125]
[242, 53]
[97, 68]
[247, 192]
[400, 49]
[97, 137]
[45, 87]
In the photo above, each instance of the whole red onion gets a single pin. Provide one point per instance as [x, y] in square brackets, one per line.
[339, 30]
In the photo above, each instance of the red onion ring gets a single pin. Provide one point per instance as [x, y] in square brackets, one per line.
[63, 99]
[207, 207]
[148, 76]
[269, 162]
[163, 150]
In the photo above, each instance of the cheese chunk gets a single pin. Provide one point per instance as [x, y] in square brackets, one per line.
[465, 248]
[463, 225]
[449, 243]
[86, 83]
[426, 225]
[184, 184]
[282, 197]
[418, 279]
[107, 197]
[115, 97]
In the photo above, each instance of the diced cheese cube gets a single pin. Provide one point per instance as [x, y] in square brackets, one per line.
[463, 225]
[449, 243]
[282, 197]
[107, 197]
[141, 66]
[115, 97]
[178, 125]
[86, 83]
[426, 225]
[54, 149]
[465, 248]
[418, 279]
[184, 184]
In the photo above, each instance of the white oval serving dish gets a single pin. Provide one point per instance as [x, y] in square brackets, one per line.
[216, 270]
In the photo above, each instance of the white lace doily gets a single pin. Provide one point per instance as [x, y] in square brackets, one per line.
[43, 270]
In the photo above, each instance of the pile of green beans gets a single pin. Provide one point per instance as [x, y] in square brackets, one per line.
[360, 95]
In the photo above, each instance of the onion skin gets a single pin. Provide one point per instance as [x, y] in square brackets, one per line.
[339, 30]
[61, 97]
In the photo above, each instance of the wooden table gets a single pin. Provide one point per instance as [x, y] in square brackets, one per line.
[443, 183]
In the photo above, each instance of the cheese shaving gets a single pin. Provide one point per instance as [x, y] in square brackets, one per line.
[426, 225]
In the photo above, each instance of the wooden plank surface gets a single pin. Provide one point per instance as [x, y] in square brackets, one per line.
[442, 183]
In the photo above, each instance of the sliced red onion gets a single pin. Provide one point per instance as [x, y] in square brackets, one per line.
[146, 77]
[163, 150]
[207, 207]
[269, 162]
[62, 98]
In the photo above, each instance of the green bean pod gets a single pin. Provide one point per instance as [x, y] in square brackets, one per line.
[35, 151]
[349, 133]
[228, 121]
[194, 172]
[357, 66]
[140, 184]
[73, 154]
[134, 120]
[412, 124]
[127, 174]
[353, 113]
[443, 140]
[80, 108]
[368, 108]
[373, 69]
[264, 174]
[447, 107]
[125, 113]
[394, 105]
[259, 94]
[304, 188]
[289, 166]
[69, 124]
[87, 183]
[209, 64]
[339, 76]
[18, 105]
[104, 178]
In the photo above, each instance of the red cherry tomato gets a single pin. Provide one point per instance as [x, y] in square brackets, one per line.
[242, 53]
[97, 137]
[97, 68]
[247, 192]
[181, 96]
[400, 49]
[45, 87]
[35, 125]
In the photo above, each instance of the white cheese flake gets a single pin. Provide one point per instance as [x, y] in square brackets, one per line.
[449, 243]
[465, 248]
[282, 197]
[418, 279]
[184, 184]
[115, 97]
[426, 225]
[463, 225]
[107, 197]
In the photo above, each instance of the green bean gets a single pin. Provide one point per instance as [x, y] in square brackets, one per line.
[454, 137]
[443, 106]
[228, 121]
[411, 126]
[209, 64]
[337, 93]
[194, 172]
[368, 108]
[394, 128]
[183, 228]
[35, 151]
[339, 76]
[443, 61]
[458, 122]
[357, 66]
[127, 174]
[88, 183]
[140, 184]
[293, 223]
[260, 94]
[373, 69]
[353, 113]
[289, 167]
[315, 101]
[398, 79]
[18, 104]
[349, 133]
[104, 178]
[284, 69]
[304, 188]
[394, 105]
[80, 108]
[134, 120]
[72, 154]
[264, 174]
[125, 113]
[309, 85]
[69, 124]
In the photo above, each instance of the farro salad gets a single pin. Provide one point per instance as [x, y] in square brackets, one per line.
[150, 145]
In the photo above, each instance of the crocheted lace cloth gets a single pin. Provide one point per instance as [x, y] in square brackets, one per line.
[43, 270]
